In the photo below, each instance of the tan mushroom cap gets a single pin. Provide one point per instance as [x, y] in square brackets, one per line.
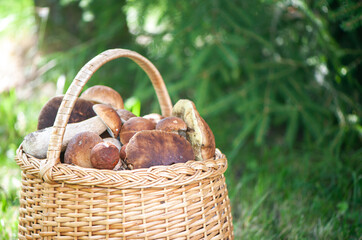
[152, 147]
[125, 114]
[110, 118]
[154, 117]
[79, 149]
[103, 94]
[104, 156]
[82, 110]
[198, 133]
[171, 124]
[134, 125]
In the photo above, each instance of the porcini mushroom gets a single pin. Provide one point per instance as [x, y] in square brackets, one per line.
[150, 148]
[110, 118]
[198, 131]
[82, 110]
[122, 152]
[36, 143]
[134, 125]
[172, 124]
[79, 149]
[104, 156]
[103, 94]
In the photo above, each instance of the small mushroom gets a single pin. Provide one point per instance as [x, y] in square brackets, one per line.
[103, 94]
[172, 124]
[122, 152]
[36, 143]
[198, 131]
[104, 156]
[125, 115]
[154, 117]
[110, 118]
[78, 151]
[134, 125]
[82, 110]
[150, 148]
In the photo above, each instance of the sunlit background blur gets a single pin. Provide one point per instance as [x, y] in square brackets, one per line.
[279, 83]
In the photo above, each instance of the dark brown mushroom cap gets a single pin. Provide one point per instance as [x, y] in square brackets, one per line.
[125, 115]
[104, 156]
[171, 124]
[198, 131]
[151, 148]
[154, 117]
[134, 125]
[110, 118]
[79, 149]
[82, 110]
[103, 94]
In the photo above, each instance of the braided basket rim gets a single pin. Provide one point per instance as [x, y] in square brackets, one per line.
[157, 176]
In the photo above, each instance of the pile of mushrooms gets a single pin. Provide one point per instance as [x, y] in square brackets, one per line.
[102, 134]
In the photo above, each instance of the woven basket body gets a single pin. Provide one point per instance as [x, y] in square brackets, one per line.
[61, 201]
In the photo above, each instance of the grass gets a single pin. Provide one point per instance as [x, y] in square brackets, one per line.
[276, 193]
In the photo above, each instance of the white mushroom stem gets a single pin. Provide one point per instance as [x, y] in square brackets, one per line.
[36, 143]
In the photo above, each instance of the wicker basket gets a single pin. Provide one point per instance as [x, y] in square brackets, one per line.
[61, 201]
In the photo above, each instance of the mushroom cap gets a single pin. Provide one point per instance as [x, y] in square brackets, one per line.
[154, 117]
[79, 149]
[104, 156]
[134, 125]
[125, 114]
[82, 110]
[152, 147]
[122, 152]
[171, 124]
[110, 118]
[198, 131]
[103, 94]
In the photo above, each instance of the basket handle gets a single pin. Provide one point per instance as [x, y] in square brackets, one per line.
[70, 97]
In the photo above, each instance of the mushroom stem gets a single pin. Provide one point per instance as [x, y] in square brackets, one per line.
[36, 143]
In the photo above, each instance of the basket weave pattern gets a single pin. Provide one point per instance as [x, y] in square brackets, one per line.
[181, 201]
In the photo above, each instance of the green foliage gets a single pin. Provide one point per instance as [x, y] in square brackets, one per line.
[18, 118]
[277, 81]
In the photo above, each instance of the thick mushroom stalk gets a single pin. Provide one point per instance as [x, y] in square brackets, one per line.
[36, 143]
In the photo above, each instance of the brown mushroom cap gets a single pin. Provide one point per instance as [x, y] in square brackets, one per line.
[104, 156]
[122, 152]
[198, 133]
[134, 125]
[171, 124]
[82, 110]
[79, 149]
[150, 148]
[154, 117]
[125, 114]
[110, 118]
[103, 94]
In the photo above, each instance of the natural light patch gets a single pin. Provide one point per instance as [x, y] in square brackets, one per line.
[320, 74]
[151, 21]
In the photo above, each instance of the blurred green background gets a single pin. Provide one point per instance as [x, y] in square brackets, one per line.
[277, 81]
